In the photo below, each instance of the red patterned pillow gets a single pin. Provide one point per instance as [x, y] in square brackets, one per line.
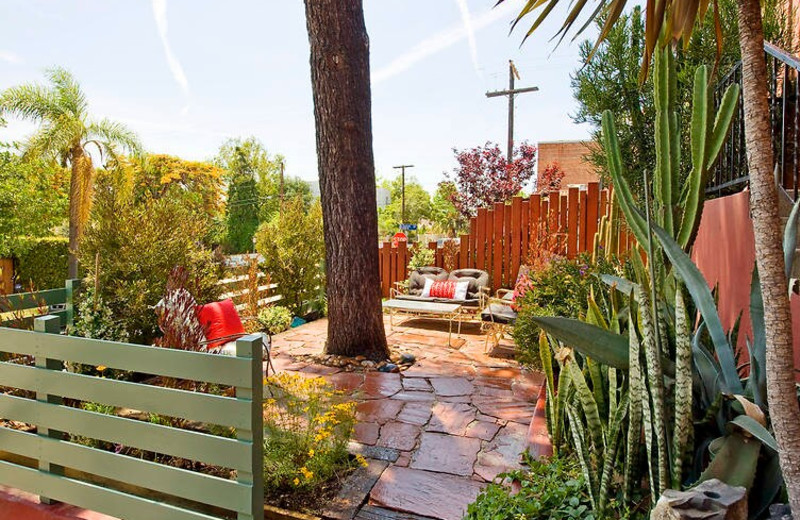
[443, 289]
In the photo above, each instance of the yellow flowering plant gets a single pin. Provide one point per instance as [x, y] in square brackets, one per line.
[307, 425]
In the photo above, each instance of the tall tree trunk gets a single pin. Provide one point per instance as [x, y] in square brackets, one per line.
[342, 111]
[81, 192]
[781, 391]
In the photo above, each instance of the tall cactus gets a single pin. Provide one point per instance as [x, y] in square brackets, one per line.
[675, 210]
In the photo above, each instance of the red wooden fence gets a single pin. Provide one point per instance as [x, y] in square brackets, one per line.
[500, 237]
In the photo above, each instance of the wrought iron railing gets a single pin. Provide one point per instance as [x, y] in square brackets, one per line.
[730, 174]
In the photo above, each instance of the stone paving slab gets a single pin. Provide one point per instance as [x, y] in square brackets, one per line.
[425, 493]
[445, 425]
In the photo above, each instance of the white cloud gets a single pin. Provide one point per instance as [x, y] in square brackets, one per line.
[473, 44]
[9, 57]
[444, 39]
[160, 14]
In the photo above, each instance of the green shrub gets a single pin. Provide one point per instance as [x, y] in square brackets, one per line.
[421, 257]
[131, 245]
[293, 248]
[275, 319]
[550, 489]
[307, 427]
[559, 289]
[43, 263]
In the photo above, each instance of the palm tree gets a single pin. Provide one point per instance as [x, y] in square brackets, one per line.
[65, 131]
[679, 17]
[342, 112]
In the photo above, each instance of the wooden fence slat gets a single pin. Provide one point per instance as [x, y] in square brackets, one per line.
[489, 241]
[463, 254]
[497, 255]
[516, 239]
[506, 271]
[480, 239]
[582, 223]
[573, 198]
[525, 230]
[592, 213]
[473, 226]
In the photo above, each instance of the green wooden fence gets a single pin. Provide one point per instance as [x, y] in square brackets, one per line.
[87, 477]
[34, 304]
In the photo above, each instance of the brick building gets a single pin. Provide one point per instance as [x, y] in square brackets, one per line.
[569, 156]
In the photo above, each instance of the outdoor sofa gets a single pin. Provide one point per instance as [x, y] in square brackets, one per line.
[477, 291]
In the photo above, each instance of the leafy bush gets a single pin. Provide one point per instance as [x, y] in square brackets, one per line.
[307, 427]
[293, 248]
[95, 319]
[43, 263]
[131, 245]
[561, 288]
[275, 319]
[421, 257]
[550, 489]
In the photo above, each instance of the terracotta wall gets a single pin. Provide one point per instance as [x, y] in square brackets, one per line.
[569, 155]
[725, 253]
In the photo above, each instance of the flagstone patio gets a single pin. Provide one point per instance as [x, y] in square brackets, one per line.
[437, 432]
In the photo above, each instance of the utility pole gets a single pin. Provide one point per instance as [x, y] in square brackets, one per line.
[402, 168]
[512, 74]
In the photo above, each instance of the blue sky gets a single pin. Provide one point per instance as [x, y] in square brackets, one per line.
[187, 74]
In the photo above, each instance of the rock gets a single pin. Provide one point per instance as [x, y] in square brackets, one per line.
[780, 512]
[388, 367]
[407, 359]
[368, 364]
[711, 500]
[360, 358]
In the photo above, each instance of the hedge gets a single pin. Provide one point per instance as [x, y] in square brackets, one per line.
[43, 265]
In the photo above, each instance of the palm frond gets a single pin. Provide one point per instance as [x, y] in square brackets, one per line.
[113, 135]
[678, 17]
[54, 140]
[68, 91]
[31, 102]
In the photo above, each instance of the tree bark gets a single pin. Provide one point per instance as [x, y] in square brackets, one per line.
[340, 79]
[781, 391]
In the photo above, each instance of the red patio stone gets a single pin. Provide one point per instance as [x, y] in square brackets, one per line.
[539, 444]
[517, 411]
[381, 384]
[398, 436]
[482, 430]
[451, 386]
[446, 454]
[418, 413]
[503, 453]
[366, 433]
[415, 383]
[379, 410]
[424, 493]
[451, 418]
[412, 395]
[346, 381]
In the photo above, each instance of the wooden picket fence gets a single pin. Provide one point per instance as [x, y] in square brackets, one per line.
[501, 236]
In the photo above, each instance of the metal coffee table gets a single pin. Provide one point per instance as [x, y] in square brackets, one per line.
[418, 309]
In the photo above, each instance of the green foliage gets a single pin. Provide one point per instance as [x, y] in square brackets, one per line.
[418, 205]
[610, 81]
[550, 489]
[421, 257]
[96, 320]
[43, 263]
[132, 244]
[559, 289]
[676, 210]
[275, 319]
[307, 426]
[445, 216]
[33, 201]
[293, 248]
[242, 207]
